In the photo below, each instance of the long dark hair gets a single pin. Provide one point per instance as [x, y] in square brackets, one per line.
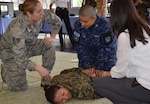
[125, 16]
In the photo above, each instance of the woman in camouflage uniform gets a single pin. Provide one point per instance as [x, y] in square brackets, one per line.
[70, 83]
[19, 43]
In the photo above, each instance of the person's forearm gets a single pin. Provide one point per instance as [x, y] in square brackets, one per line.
[100, 7]
[44, 73]
[56, 24]
[106, 74]
[53, 36]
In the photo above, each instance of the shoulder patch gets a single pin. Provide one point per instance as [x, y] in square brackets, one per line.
[107, 38]
[76, 36]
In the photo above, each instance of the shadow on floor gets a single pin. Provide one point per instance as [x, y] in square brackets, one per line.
[67, 47]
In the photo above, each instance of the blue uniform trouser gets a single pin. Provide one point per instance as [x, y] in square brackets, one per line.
[120, 91]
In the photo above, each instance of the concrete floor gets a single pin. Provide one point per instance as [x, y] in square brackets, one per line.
[65, 58]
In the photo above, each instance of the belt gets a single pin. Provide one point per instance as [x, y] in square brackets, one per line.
[61, 8]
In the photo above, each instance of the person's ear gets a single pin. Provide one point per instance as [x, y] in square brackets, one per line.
[94, 18]
[28, 14]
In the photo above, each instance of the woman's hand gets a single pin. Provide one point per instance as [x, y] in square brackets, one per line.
[45, 74]
[50, 40]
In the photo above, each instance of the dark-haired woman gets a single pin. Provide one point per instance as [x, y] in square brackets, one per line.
[19, 43]
[128, 82]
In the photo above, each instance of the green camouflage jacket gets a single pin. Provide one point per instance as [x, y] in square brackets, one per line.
[79, 84]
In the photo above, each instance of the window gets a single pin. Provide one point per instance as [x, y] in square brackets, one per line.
[3, 8]
[76, 3]
[45, 3]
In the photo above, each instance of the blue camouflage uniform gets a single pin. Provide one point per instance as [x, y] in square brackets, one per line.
[95, 46]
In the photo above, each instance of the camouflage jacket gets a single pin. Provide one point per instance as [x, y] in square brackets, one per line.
[142, 9]
[96, 45]
[77, 82]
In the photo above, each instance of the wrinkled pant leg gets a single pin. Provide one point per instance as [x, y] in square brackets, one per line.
[61, 37]
[60, 15]
[48, 56]
[68, 26]
[120, 91]
[47, 52]
[48, 61]
[14, 77]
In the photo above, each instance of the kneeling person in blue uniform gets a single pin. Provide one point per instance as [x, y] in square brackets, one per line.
[95, 42]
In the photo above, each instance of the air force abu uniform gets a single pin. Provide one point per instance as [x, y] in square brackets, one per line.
[19, 43]
[95, 46]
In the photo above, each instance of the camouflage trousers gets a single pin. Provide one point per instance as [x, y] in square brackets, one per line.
[14, 76]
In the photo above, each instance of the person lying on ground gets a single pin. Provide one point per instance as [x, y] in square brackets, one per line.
[70, 83]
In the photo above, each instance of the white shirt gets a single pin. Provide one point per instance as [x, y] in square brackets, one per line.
[61, 3]
[132, 62]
